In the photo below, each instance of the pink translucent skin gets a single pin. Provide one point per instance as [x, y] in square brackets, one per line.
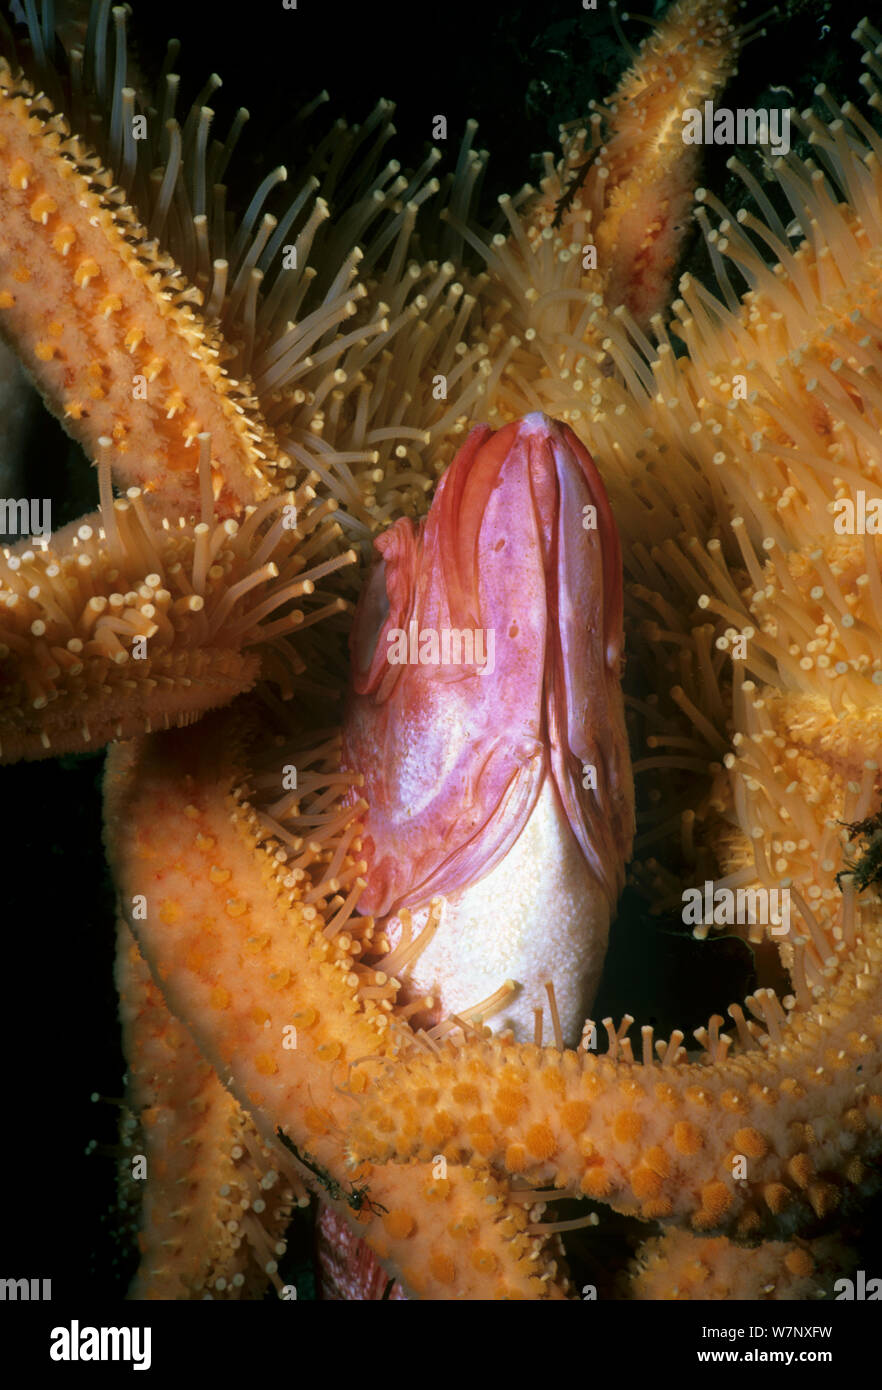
[467, 772]
[454, 760]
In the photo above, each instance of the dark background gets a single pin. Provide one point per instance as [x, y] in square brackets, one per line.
[519, 69]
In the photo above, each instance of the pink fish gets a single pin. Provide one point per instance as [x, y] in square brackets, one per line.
[486, 716]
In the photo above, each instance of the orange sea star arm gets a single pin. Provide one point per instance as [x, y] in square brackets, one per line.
[650, 173]
[677, 1266]
[126, 623]
[603, 233]
[215, 1205]
[104, 321]
[792, 1124]
[243, 957]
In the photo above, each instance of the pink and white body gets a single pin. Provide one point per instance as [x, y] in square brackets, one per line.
[486, 716]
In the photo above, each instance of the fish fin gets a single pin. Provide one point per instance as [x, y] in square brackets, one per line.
[583, 699]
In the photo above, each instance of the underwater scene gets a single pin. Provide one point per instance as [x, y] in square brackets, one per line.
[441, 657]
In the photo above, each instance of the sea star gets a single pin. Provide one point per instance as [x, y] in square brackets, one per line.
[533, 353]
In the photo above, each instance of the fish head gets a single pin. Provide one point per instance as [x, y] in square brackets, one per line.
[486, 655]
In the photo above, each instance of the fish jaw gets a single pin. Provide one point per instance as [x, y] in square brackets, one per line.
[475, 780]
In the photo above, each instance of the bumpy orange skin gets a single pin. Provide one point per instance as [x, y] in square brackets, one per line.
[94, 311]
[207, 899]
